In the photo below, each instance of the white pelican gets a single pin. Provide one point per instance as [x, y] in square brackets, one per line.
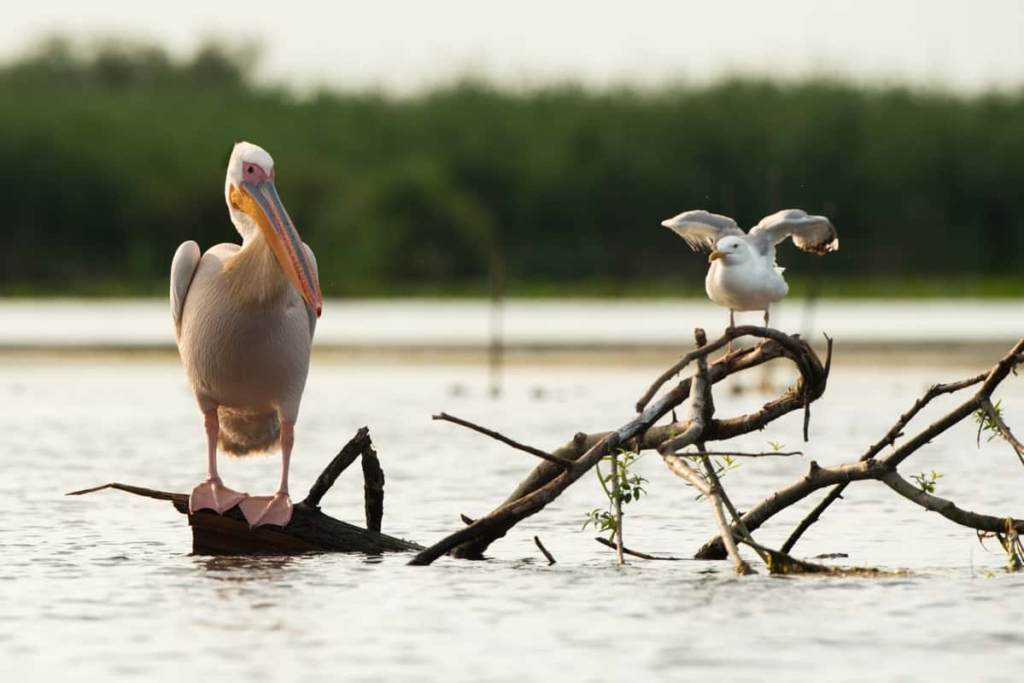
[244, 318]
[743, 275]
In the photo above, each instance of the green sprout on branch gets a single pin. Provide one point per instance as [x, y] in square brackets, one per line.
[722, 464]
[927, 482]
[631, 488]
[986, 423]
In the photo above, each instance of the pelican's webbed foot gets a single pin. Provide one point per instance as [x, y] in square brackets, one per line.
[213, 495]
[260, 510]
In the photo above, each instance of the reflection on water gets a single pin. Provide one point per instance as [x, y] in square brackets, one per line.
[104, 585]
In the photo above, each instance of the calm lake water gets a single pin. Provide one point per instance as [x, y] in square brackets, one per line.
[104, 587]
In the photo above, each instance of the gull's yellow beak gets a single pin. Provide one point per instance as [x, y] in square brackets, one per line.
[260, 201]
[715, 255]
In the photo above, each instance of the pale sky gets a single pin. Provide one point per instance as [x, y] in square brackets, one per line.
[964, 45]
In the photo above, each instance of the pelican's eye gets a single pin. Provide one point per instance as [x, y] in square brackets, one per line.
[250, 170]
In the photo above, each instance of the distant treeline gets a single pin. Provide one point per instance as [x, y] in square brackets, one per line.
[110, 157]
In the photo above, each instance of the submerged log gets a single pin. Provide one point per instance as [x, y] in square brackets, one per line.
[310, 530]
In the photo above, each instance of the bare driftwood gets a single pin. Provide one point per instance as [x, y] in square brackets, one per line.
[566, 464]
[549, 480]
[701, 410]
[884, 469]
[309, 530]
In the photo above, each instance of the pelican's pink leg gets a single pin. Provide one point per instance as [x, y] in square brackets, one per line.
[212, 494]
[275, 509]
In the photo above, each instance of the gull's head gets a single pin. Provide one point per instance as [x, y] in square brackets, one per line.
[731, 250]
[257, 211]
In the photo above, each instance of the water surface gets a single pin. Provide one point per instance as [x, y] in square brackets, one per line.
[104, 587]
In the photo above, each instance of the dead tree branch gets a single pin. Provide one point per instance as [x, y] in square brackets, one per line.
[809, 387]
[889, 439]
[1003, 429]
[947, 508]
[495, 524]
[345, 457]
[547, 555]
[557, 459]
[636, 553]
[736, 357]
[870, 467]
[702, 410]
[737, 454]
[567, 464]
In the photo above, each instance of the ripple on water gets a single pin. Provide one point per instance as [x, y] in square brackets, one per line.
[104, 585]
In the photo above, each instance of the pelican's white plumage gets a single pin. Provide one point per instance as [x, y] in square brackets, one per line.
[743, 275]
[244, 318]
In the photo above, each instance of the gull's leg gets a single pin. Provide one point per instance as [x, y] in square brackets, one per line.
[732, 324]
[212, 494]
[766, 317]
[275, 509]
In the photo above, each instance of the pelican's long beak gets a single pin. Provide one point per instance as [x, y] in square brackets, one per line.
[260, 201]
[715, 255]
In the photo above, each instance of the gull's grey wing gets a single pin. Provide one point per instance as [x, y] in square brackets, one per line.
[701, 229]
[316, 273]
[811, 233]
[183, 268]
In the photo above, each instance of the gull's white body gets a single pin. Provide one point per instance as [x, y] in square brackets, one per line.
[752, 288]
[743, 275]
[244, 319]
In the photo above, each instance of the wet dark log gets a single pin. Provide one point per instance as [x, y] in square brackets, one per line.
[310, 530]
[373, 488]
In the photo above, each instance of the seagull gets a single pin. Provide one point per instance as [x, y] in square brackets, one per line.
[244, 318]
[743, 275]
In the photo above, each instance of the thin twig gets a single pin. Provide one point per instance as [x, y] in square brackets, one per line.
[345, 457]
[735, 454]
[704, 351]
[617, 498]
[137, 490]
[551, 558]
[636, 553]
[1004, 430]
[813, 517]
[716, 485]
[543, 455]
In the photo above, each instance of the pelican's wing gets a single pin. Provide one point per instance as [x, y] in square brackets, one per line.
[701, 229]
[183, 268]
[810, 233]
[316, 273]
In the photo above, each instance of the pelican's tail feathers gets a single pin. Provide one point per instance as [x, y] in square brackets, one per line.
[248, 433]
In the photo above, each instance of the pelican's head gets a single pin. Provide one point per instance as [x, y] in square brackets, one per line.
[257, 210]
[732, 250]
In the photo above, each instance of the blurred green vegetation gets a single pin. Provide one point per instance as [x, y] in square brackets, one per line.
[113, 154]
